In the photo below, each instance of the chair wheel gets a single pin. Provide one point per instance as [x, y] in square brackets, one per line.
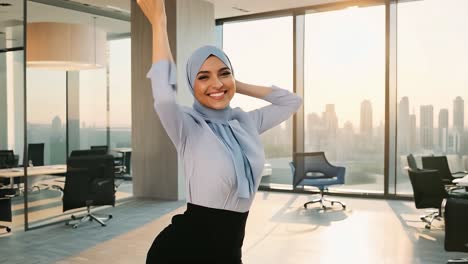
[332, 203]
[8, 229]
[428, 226]
[73, 217]
[75, 227]
[324, 207]
[344, 206]
[110, 216]
[305, 206]
[103, 225]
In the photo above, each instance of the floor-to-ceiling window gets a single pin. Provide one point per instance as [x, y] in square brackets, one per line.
[120, 122]
[432, 52]
[262, 58]
[93, 107]
[344, 92]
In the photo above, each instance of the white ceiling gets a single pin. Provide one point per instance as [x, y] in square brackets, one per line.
[13, 15]
[225, 8]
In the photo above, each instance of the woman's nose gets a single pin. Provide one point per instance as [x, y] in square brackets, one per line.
[217, 84]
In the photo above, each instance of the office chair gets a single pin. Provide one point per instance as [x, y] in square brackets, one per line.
[412, 162]
[7, 160]
[103, 148]
[428, 191]
[36, 154]
[88, 152]
[89, 182]
[313, 169]
[455, 213]
[5, 206]
[440, 163]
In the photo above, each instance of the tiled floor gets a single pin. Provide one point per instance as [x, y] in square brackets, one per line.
[279, 230]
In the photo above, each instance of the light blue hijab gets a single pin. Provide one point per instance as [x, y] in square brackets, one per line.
[222, 125]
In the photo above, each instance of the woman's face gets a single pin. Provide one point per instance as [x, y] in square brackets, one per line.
[214, 84]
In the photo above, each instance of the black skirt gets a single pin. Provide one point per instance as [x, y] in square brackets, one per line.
[200, 235]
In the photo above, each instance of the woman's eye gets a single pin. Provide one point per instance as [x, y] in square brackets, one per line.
[226, 73]
[203, 77]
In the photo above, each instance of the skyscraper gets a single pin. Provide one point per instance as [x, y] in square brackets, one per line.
[412, 133]
[330, 122]
[459, 114]
[443, 129]
[458, 123]
[427, 126]
[403, 125]
[330, 119]
[366, 119]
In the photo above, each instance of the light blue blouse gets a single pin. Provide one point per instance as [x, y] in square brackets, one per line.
[210, 175]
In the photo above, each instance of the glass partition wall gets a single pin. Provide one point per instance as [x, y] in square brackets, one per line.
[12, 114]
[76, 108]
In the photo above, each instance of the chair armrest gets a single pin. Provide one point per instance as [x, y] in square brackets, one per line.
[341, 171]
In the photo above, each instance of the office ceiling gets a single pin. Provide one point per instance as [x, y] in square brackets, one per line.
[11, 13]
[223, 8]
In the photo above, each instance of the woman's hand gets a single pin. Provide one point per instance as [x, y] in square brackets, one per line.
[154, 10]
[252, 90]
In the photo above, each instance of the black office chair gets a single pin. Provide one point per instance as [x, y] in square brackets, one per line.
[429, 191]
[5, 206]
[36, 154]
[455, 212]
[440, 163]
[313, 169]
[89, 182]
[103, 148]
[7, 160]
[87, 152]
[412, 162]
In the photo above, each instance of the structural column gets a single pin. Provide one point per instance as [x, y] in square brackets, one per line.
[156, 171]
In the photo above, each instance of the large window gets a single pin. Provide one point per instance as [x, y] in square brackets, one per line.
[344, 92]
[93, 107]
[46, 119]
[262, 58]
[432, 84]
[120, 93]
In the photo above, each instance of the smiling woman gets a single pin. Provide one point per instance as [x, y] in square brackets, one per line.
[220, 148]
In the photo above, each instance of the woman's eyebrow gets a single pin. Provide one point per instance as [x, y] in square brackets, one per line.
[200, 72]
[224, 68]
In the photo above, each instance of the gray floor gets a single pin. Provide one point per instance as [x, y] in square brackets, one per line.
[56, 242]
[279, 230]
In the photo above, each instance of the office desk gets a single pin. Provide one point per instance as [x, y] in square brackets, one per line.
[33, 171]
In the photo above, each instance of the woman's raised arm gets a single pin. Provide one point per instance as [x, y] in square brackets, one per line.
[155, 11]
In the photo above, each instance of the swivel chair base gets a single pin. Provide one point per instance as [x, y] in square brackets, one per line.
[88, 217]
[8, 229]
[322, 199]
[429, 218]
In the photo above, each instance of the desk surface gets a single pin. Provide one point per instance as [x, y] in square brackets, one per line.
[122, 150]
[33, 171]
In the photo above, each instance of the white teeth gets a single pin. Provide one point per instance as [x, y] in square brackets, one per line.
[216, 94]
